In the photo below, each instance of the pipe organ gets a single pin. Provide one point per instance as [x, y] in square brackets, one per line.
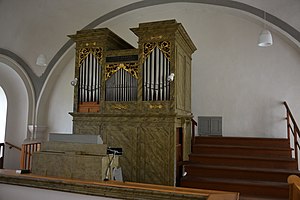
[126, 95]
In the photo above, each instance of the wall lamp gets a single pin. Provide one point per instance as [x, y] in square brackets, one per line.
[41, 60]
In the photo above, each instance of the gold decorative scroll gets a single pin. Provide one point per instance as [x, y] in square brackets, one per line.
[131, 68]
[164, 46]
[119, 107]
[148, 48]
[84, 52]
[155, 106]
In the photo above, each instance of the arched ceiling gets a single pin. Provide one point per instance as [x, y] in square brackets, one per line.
[31, 27]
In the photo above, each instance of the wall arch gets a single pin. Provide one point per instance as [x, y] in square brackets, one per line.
[17, 110]
[11, 62]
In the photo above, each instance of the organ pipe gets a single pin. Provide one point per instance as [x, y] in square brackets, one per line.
[156, 69]
[89, 80]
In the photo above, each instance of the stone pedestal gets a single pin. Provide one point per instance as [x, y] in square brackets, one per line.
[72, 165]
[74, 160]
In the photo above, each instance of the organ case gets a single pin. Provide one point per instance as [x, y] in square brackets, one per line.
[125, 95]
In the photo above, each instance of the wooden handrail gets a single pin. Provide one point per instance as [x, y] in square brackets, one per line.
[294, 185]
[14, 146]
[194, 124]
[292, 130]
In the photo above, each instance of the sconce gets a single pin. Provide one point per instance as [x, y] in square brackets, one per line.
[171, 77]
[74, 82]
[41, 60]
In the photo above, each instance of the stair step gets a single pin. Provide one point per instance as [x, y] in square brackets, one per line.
[246, 188]
[258, 168]
[260, 198]
[242, 150]
[247, 141]
[244, 161]
[219, 171]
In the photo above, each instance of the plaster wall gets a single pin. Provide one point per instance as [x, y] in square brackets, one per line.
[60, 102]
[231, 76]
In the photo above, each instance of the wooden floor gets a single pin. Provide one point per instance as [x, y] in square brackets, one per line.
[114, 189]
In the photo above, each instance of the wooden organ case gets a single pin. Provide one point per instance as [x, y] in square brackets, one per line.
[127, 96]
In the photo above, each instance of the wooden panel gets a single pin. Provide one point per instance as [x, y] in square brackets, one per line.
[180, 80]
[148, 144]
[89, 128]
[157, 155]
[188, 85]
[71, 165]
[114, 189]
[124, 136]
[88, 107]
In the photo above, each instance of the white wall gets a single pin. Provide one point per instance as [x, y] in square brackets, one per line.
[61, 102]
[17, 114]
[232, 77]
[14, 192]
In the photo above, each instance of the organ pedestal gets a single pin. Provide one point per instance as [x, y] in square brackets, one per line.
[125, 95]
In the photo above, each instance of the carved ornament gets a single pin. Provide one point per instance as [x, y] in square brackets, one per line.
[84, 52]
[155, 106]
[131, 68]
[119, 107]
[164, 46]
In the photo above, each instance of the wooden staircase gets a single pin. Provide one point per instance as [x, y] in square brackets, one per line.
[255, 167]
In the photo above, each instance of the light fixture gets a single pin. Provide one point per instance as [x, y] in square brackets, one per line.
[41, 60]
[265, 37]
[171, 77]
[74, 82]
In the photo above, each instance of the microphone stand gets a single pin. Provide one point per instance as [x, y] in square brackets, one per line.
[109, 165]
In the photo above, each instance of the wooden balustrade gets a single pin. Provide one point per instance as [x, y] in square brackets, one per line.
[292, 131]
[26, 156]
[294, 185]
[194, 124]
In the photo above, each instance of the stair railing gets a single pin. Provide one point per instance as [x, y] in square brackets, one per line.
[13, 146]
[292, 131]
[194, 124]
[26, 154]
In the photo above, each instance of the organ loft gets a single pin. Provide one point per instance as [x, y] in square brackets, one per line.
[137, 99]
